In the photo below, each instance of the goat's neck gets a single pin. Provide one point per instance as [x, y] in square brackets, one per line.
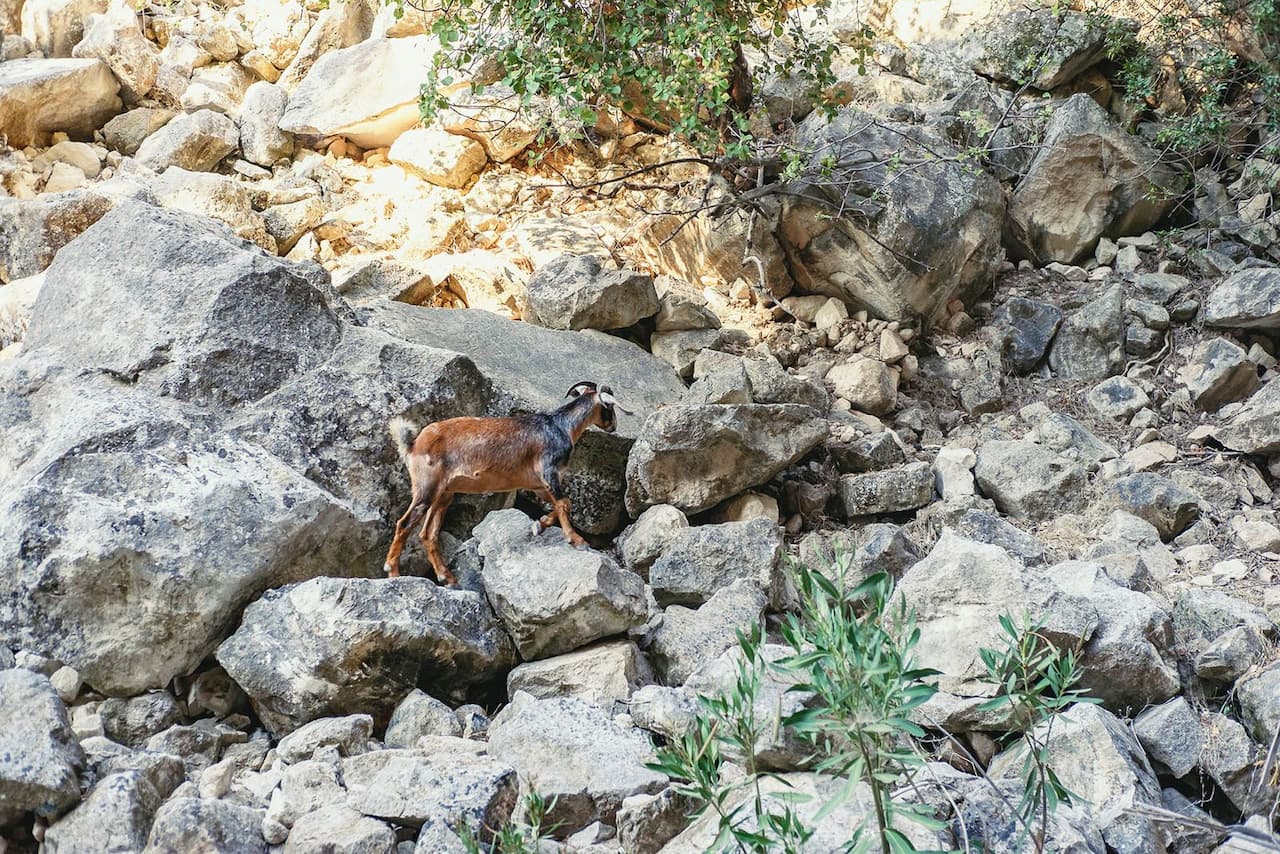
[575, 416]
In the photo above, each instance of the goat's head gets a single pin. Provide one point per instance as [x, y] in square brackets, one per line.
[603, 413]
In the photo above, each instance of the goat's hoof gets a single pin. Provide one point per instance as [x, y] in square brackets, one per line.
[390, 570]
[535, 528]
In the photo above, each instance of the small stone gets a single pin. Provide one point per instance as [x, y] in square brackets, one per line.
[417, 715]
[1152, 316]
[892, 347]
[66, 681]
[888, 491]
[953, 472]
[1172, 735]
[1230, 656]
[833, 312]
[1151, 455]
[1117, 398]
[1255, 535]
[868, 384]
[1158, 500]
[1218, 372]
[1127, 260]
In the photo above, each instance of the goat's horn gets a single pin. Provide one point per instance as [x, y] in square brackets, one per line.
[612, 401]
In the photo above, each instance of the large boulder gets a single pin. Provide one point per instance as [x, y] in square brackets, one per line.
[1246, 299]
[117, 40]
[39, 97]
[220, 433]
[697, 562]
[1255, 429]
[907, 241]
[372, 108]
[54, 27]
[1090, 179]
[1029, 481]
[32, 232]
[40, 759]
[1096, 756]
[597, 762]
[552, 597]
[695, 456]
[577, 292]
[334, 646]
[1038, 47]
[949, 590]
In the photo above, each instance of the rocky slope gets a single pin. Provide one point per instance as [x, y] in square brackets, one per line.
[228, 260]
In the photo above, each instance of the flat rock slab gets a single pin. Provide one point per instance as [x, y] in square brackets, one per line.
[538, 366]
[567, 749]
[694, 457]
[1248, 299]
[40, 759]
[418, 787]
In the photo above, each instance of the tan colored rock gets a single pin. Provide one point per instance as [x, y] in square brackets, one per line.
[126, 131]
[892, 348]
[489, 119]
[343, 24]
[79, 154]
[220, 87]
[1066, 203]
[39, 97]
[868, 384]
[261, 140]
[371, 108]
[256, 62]
[63, 177]
[748, 506]
[117, 40]
[217, 197]
[195, 141]
[441, 158]
[57, 26]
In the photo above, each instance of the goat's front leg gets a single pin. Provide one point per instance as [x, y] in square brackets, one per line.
[550, 518]
[431, 539]
[560, 506]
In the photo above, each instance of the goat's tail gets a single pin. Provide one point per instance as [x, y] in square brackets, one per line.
[403, 433]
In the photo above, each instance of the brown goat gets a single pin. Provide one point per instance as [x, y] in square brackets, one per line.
[477, 455]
